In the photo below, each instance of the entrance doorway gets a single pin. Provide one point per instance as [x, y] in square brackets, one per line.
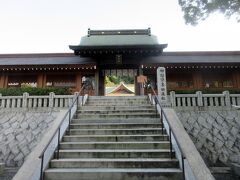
[119, 82]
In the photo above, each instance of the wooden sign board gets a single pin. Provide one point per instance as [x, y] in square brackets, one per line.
[141, 79]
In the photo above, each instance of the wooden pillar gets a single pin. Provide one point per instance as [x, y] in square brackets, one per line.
[136, 87]
[236, 79]
[101, 91]
[78, 81]
[3, 81]
[97, 82]
[197, 80]
[41, 80]
[138, 90]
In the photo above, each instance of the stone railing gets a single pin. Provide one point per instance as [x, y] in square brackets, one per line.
[26, 101]
[199, 99]
[193, 165]
[38, 160]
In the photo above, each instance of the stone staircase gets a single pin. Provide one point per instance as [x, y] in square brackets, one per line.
[113, 138]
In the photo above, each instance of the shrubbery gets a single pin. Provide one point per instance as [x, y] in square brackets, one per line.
[33, 91]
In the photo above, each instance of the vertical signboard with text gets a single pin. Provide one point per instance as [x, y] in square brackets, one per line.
[162, 84]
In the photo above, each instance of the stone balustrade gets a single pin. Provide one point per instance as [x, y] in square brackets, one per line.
[23, 122]
[27, 101]
[205, 100]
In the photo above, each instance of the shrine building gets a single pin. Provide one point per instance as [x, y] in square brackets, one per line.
[121, 53]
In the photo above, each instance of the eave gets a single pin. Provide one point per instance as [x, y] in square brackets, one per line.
[90, 51]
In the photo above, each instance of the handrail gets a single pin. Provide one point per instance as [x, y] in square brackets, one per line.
[49, 141]
[68, 113]
[163, 114]
[157, 98]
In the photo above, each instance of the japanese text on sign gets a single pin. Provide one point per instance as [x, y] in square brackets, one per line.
[162, 84]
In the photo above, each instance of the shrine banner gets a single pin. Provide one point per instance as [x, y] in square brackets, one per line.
[162, 84]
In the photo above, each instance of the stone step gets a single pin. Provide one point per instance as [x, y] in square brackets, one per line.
[125, 111]
[116, 103]
[114, 138]
[115, 145]
[117, 97]
[116, 115]
[117, 131]
[115, 163]
[113, 125]
[119, 100]
[96, 107]
[115, 153]
[113, 174]
[117, 120]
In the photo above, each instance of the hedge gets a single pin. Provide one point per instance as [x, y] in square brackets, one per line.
[33, 91]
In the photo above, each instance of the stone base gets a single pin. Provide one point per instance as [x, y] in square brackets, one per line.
[2, 167]
[236, 169]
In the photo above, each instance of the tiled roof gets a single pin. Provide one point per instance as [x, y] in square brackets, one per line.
[43, 59]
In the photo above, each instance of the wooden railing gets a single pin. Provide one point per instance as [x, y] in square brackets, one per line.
[26, 101]
[199, 99]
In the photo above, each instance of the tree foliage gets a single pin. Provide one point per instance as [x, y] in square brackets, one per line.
[198, 10]
[114, 80]
[108, 82]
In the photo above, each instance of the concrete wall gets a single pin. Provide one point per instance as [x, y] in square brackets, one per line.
[20, 131]
[214, 130]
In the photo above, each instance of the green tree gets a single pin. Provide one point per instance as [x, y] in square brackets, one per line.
[127, 79]
[108, 82]
[114, 79]
[198, 10]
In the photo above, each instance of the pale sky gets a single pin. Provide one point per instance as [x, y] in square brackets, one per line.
[49, 26]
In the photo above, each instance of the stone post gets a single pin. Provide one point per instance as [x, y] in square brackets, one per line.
[25, 100]
[75, 95]
[1, 101]
[199, 98]
[173, 98]
[51, 99]
[150, 97]
[2, 168]
[227, 98]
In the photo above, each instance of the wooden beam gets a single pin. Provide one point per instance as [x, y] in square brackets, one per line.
[41, 80]
[236, 79]
[197, 80]
[78, 81]
[3, 81]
